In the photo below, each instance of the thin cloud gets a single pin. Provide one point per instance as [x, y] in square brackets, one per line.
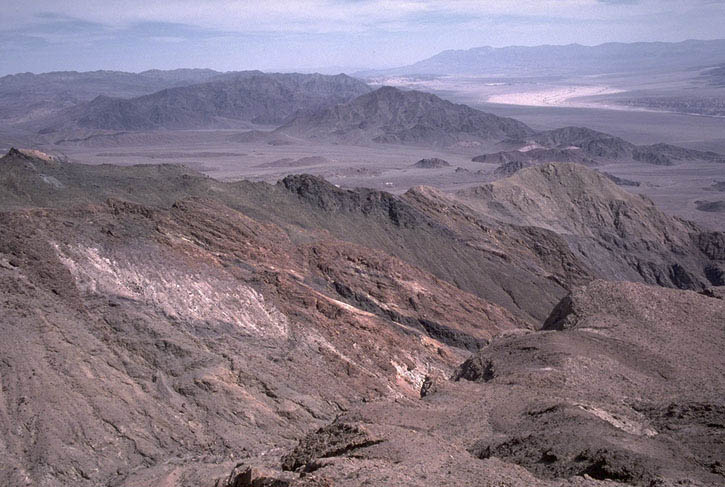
[286, 34]
[316, 15]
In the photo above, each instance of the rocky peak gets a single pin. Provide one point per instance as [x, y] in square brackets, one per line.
[326, 196]
[29, 154]
[431, 163]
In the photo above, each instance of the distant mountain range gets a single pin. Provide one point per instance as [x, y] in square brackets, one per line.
[261, 98]
[337, 109]
[393, 116]
[568, 59]
[28, 96]
[90, 84]
[341, 109]
[390, 115]
[155, 99]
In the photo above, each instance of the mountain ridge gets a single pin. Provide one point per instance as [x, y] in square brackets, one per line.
[238, 97]
[391, 115]
[566, 59]
[26, 97]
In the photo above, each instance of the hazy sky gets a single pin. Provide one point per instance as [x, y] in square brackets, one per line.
[133, 35]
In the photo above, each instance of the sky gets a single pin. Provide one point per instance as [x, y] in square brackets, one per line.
[320, 35]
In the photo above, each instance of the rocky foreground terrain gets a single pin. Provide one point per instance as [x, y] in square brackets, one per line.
[160, 327]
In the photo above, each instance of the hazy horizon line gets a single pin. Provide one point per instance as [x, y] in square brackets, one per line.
[348, 70]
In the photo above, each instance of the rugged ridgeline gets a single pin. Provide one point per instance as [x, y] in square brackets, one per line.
[510, 229]
[161, 326]
[589, 147]
[393, 116]
[261, 98]
[456, 246]
[620, 235]
[570, 59]
[513, 160]
[600, 145]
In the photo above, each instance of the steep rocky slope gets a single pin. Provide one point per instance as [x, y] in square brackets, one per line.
[621, 235]
[134, 336]
[485, 242]
[160, 327]
[623, 386]
[462, 251]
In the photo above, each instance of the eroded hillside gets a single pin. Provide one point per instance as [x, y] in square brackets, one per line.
[160, 326]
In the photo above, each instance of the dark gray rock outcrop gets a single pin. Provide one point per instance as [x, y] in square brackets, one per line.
[431, 163]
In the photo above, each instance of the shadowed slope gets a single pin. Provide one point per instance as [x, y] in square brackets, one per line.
[620, 235]
[133, 336]
[246, 97]
[390, 115]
